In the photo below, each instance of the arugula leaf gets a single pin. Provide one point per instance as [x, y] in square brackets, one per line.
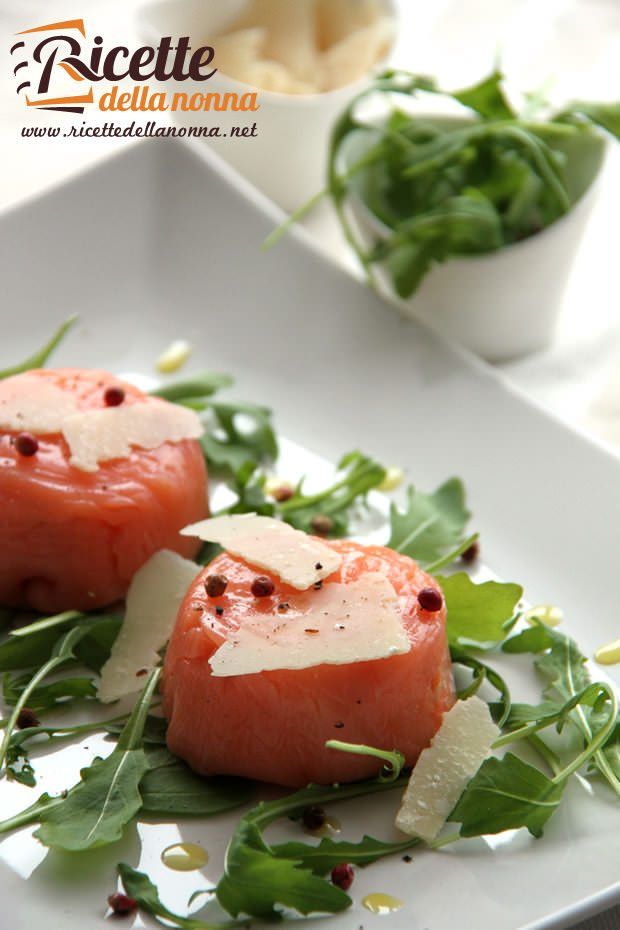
[175, 790]
[487, 98]
[522, 714]
[17, 760]
[40, 357]
[249, 486]
[255, 880]
[29, 652]
[534, 639]
[94, 649]
[605, 115]
[31, 646]
[96, 810]
[19, 766]
[563, 666]
[198, 387]
[477, 612]
[154, 729]
[360, 474]
[448, 190]
[238, 435]
[139, 887]
[481, 673]
[321, 859]
[610, 752]
[62, 652]
[431, 524]
[506, 794]
[46, 696]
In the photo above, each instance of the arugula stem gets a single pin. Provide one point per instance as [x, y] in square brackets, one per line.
[131, 734]
[60, 733]
[268, 811]
[62, 653]
[581, 721]
[31, 814]
[39, 358]
[274, 237]
[444, 841]
[421, 528]
[545, 753]
[395, 759]
[595, 743]
[294, 505]
[48, 623]
[452, 556]
[199, 386]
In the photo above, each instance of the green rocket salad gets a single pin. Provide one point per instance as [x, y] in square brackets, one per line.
[52, 662]
[451, 186]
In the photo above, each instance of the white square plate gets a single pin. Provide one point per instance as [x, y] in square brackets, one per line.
[162, 242]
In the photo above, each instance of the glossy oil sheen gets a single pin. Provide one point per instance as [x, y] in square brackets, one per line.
[609, 654]
[379, 903]
[332, 825]
[185, 857]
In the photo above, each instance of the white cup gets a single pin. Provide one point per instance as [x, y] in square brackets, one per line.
[287, 158]
[500, 304]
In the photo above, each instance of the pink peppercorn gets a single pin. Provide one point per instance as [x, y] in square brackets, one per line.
[430, 599]
[342, 875]
[113, 396]
[262, 586]
[26, 444]
[122, 904]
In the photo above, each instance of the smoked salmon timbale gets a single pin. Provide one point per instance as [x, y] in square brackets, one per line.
[272, 725]
[71, 536]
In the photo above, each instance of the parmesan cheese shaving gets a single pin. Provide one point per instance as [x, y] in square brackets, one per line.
[355, 54]
[33, 404]
[304, 47]
[153, 601]
[100, 435]
[338, 625]
[296, 558]
[442, 772]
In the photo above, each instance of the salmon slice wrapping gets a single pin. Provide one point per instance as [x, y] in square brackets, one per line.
[273, 725]
[74, 539]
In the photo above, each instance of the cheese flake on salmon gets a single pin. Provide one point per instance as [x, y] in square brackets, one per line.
[153, 601]
[34, 404]
[337, 625]
[295, 557]
[102, 435]
[441, 774]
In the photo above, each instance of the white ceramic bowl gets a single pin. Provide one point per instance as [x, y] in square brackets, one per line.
[500, 304]
[287, 159]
